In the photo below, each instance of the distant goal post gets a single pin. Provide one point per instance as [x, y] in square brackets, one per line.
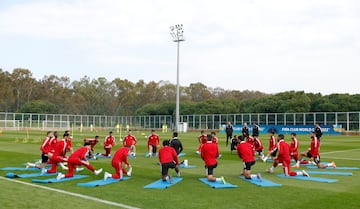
[55, 125]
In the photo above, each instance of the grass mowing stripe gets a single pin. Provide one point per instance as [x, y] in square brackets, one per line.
[72, 194]
[324, 153]
[340, 158]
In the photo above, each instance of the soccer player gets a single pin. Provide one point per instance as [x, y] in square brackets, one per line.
[245, 131]
[130, 141]
[176, 143]
[57, 154]
[93, 142]
[229, 131]
[234, 143]
[245, 151]
[284, 158]
[120, 157]
[153, 143]
[168, 159]
[209, 153]
[258, 147]
[45, 148]
[109, 142]
[255, 130]
[78, 158]
[272, 147]
[214, 137]
[294, 146]
[202, 138]
[314, 154]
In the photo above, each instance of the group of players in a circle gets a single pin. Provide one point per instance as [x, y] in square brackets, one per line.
[54, 152]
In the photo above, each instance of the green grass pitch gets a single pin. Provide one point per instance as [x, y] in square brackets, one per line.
[18, 147]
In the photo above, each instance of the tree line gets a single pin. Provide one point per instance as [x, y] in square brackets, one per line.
[21, 92]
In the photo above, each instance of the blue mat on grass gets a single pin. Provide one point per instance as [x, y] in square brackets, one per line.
[19, 169]
[102, 156]
[217, 185]
[188, 166]
[101, 182]
[337, 168]
[27, 175]
[330, 173]
[181, 154]
[308, 178]
[54, 180]
[263, 183]
[160, 184]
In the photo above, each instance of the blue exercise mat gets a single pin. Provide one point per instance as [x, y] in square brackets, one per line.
[20, 169]
[147, 155]
[101, 182]
[102, 156]
[262, 183]
[217, 185]
[308, 178]
[188, 166]
[181, 154]
[160, 184]
[337, 168]
[27, 175]
[330, 173]
[54, 180]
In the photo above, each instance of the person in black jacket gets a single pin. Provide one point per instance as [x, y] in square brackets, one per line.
[318, 132]
[176, 143]
[255, 130]
[245, 131]
[229, 131]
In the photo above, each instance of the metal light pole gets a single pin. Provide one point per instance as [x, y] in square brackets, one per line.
[177, 34]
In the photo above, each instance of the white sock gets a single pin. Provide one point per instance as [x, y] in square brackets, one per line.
[299, 173]
[31, 164]
[329, 165]
[218, 180]
[253, 176]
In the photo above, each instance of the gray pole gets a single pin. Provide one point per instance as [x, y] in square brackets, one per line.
[177, 34]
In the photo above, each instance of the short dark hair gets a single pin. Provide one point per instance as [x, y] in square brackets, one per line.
[293, 134]
[86, 143]
[66, 134]
[209, 137]
[281, 136]
[166, 142]
[175, 134]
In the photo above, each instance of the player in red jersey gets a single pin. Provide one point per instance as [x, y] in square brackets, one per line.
[209, 153]
[314, 154]
[284, 158]
[45, 148]
[245, 151]
[168, 159]
[294, 147]
[153, 143]
[214, 138]
[130, 142]
[202, 139]
[258, 147]
[272, 147]
[57, 154]
[120, 157]
[109, 142]
[93, 142]
[78, 158]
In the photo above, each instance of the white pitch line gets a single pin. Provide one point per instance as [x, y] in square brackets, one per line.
[72, 194]
[324, 153]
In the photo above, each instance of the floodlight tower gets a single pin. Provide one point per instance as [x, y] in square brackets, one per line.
[177, 34]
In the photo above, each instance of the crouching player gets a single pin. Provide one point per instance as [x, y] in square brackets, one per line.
[168, 159]
[78, 158]
[246, 153]
[92, 142]
[120, 157]
[57, 154]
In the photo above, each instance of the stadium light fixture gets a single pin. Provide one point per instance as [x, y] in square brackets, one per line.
[177, 33]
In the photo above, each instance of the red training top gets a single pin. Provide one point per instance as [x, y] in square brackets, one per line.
[246, 151]
[209, 153]
[168, 154]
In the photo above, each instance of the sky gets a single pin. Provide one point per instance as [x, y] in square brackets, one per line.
[258, 45]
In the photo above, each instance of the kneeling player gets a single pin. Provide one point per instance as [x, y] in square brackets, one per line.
[246, 153]
[120, 156]
[168, 159]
